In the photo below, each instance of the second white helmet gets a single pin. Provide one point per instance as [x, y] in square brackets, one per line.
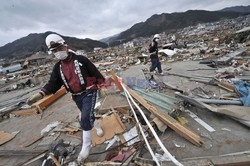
[157, 36]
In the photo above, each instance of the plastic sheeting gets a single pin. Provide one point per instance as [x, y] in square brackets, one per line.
[244, 89]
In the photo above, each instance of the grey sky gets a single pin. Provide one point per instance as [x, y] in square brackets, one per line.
[93, 19]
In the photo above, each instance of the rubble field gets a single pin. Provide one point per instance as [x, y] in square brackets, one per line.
[196, 113]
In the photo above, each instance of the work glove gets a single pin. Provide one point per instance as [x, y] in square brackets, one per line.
[34, 98]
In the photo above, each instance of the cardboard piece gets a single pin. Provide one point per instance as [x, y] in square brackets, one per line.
[111, 126]
[5, 137]
[27, 112]
[160, 125]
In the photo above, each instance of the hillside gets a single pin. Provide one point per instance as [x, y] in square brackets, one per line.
[240, 9]
[35, 42]
[171, 22]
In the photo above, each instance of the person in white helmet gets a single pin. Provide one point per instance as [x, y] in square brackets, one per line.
[82, 79]
[153, 50]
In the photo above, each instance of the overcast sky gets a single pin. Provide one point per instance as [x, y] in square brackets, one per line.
[93, 19]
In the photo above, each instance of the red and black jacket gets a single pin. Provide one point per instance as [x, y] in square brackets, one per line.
[87, 72]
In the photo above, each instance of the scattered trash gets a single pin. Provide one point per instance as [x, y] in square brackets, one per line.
[112, 141]
[131, 134]
[225, 129]
[49, 127]
[206, 135]
[163, 157]
[179, 144]
[201, 122]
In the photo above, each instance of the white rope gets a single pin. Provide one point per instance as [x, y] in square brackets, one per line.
[142, 132]
[152, 130]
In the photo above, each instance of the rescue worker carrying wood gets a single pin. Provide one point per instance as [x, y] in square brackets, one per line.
[153, 50]
[80, 77]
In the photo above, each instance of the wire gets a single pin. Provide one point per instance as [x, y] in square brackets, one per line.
[143, 134]
[176, 162]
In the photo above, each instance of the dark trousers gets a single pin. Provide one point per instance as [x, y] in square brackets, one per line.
[155, 64]
[86, 104]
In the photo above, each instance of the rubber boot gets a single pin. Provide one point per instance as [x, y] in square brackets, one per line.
[98, 128]
[86, 146]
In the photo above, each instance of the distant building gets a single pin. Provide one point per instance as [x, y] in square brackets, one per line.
[11, 69]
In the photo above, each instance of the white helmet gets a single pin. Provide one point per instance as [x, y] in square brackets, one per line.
[54, 41]
[157, 36]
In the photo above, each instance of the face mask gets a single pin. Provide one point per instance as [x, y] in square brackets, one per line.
[157, 40]
[61, 55]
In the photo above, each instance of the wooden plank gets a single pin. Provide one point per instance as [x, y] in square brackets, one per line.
[56, 162]
[118, 84]
[227, 86]
[46, 101]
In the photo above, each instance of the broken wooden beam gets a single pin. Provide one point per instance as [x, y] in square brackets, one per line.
[226, 86]
[46, 101]
[118, 84]
[56, 162]
[167, 119]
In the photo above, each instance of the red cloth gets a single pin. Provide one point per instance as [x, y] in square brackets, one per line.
[69, 71]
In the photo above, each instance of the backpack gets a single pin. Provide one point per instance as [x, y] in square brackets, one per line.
[150, 48]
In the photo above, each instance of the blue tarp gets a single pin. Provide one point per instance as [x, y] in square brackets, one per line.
[243, 89]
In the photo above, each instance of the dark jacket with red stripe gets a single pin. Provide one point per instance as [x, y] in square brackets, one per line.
[153, 50]
[87, 72]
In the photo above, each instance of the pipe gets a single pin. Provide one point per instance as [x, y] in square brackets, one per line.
[152, 130]
[143, 134]
[218, 101]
